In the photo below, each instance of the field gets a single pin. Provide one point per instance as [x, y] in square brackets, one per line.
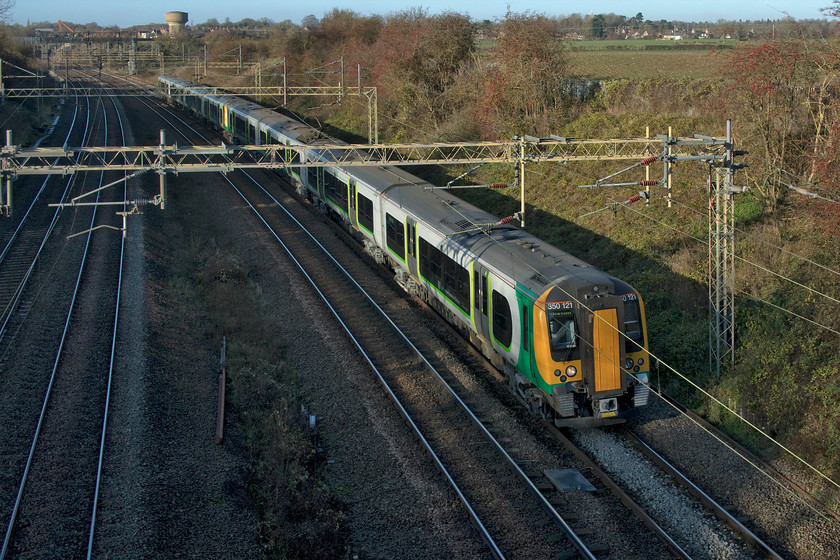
[639, 64]
[653, 44]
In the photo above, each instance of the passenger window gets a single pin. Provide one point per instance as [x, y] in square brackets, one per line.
[445, 275]
[336, 190]
[395, 236]
[366, 213]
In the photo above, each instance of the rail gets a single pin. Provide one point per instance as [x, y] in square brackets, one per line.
[707, 500]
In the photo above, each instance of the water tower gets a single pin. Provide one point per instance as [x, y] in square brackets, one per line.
[176, 21]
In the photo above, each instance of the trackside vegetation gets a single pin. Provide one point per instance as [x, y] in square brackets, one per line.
[446, 77]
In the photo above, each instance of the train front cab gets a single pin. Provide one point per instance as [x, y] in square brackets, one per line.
[594, 357]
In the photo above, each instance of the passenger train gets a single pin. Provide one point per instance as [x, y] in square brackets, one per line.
[571, 339]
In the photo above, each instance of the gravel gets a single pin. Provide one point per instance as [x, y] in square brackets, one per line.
[695, 530]
[168, 490]
[396, 503]
[172, 492]
[765, 505]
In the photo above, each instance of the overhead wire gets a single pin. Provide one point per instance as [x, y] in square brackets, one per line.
[705, 242]
[685, 378]
[785, 278]
[759, 239]
[803, 191]
[709, 395]
[676, 372]
[739, 230]
[12, 114]
[699, 388]
[764, 301]
[582, 305]
[742, 259]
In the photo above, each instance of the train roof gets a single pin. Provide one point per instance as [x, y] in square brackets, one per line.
[531, 261]
[513, 252]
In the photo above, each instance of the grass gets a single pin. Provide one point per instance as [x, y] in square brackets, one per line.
[300, 516]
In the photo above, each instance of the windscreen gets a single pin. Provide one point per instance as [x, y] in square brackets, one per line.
[561, 327]
[632, 324]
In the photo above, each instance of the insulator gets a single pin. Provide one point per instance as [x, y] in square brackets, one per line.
[499, 185]
[506, 220]
[648, 182]
[633, 198]
[649, 160]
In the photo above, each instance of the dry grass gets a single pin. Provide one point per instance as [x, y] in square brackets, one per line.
[640, 64]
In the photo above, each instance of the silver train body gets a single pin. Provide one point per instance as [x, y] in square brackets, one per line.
[571, 339]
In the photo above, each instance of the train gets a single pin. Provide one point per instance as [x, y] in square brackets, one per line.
[570, 339]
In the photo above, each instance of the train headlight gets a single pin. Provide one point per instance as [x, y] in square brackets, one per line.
[641, 361]
[557, 373]
[571, 371]
[628, 363]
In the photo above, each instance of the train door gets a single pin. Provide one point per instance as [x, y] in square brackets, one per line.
[411, 246]
[319, 185]
[481, 300]
[352, 202]
[605, 354]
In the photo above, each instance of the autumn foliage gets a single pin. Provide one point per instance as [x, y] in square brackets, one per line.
[788, 112]
[447, 77]
[523, 88]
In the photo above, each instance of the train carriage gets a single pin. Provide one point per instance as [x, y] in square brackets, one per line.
[570, 338]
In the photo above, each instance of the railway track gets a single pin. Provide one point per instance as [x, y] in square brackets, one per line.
[495, 476]
[25, 235]
[464, 455]
[51, 504]
[719, 511]
[346, 312]
[436, 424]
[504, 503]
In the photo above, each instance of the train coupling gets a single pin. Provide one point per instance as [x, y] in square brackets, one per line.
[606, 408]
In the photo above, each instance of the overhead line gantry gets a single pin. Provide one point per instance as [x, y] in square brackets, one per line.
[163, 159]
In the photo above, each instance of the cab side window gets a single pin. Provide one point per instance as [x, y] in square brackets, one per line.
[502, 324]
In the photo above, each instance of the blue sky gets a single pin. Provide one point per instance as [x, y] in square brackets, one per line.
[149, 11]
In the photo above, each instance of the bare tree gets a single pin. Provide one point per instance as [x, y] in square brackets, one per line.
[832, 11]
[6, 9]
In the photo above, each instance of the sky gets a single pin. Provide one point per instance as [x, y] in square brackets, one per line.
[107, 13]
